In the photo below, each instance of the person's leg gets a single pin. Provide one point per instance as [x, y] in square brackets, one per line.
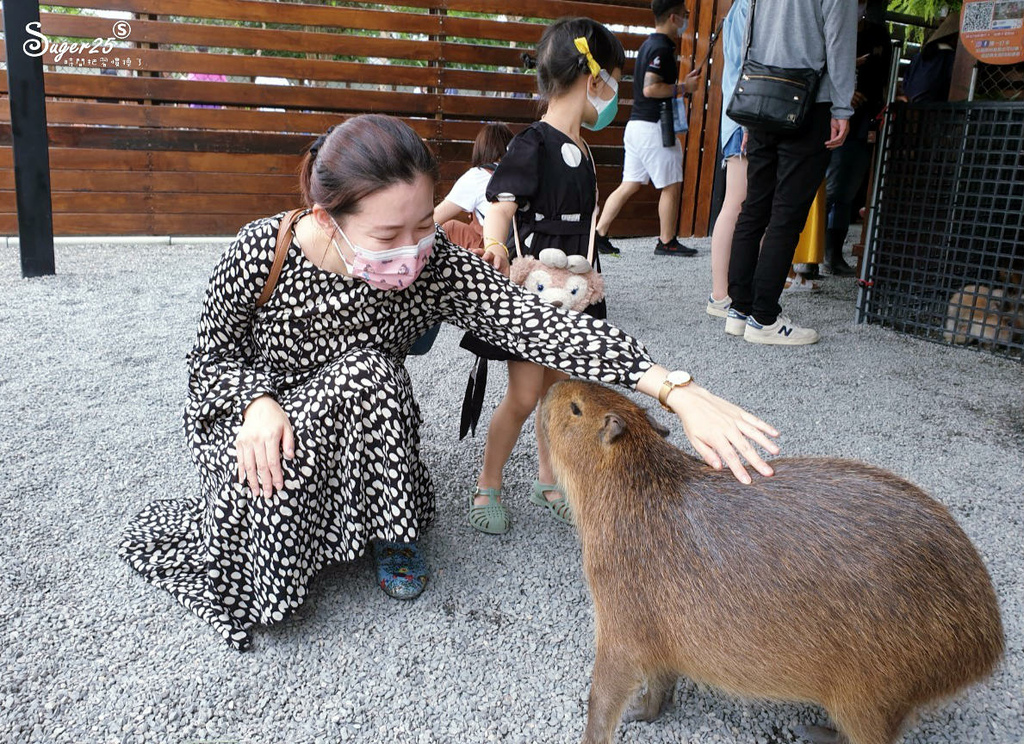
[725, 225]
[665, 166]
[467, 235]
[846, 171]
[802, 162]
[634, 175]
[753, 219]
[525, 384]
[614, 204]
[544, 472]
[668, 211]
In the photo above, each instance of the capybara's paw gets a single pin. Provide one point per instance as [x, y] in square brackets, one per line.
[647, 706]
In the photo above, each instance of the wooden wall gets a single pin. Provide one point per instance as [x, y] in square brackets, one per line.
[149, 152]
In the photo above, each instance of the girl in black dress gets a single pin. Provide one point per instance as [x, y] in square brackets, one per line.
[547, 183]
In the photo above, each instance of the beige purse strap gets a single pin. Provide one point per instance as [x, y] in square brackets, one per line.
[515, 232]
[280, 252]
[593, 216]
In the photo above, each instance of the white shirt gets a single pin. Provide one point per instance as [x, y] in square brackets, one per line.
[470, 192]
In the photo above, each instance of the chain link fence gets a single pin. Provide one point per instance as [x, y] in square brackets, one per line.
[999, 83]
[946, 258]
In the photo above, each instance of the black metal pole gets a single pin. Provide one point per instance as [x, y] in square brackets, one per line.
[28, 133]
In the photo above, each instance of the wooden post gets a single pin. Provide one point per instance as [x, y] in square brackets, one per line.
[29, 139]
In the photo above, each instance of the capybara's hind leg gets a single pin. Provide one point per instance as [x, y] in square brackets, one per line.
[869, 725]
[614, 682]
[653, 701]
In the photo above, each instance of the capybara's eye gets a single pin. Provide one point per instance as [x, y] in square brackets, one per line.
[575, 409]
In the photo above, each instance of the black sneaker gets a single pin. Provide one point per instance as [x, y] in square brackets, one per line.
[673, 248]
[604, 245]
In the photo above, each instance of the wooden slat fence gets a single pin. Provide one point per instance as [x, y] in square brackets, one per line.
[148, 150]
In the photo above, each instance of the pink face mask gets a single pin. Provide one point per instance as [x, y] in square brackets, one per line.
[396, 268]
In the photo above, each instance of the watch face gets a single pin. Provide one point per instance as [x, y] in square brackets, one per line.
[678, 377]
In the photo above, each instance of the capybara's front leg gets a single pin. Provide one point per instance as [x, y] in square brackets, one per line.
[819, 735]
[613, 684]
[654, 699]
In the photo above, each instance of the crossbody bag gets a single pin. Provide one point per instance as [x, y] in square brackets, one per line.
[775, 99]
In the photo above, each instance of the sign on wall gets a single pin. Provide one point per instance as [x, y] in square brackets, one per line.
[993, 30]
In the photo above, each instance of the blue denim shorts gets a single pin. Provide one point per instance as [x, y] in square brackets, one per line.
[732, 147]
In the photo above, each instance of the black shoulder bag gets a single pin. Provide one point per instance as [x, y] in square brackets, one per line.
[775, 99]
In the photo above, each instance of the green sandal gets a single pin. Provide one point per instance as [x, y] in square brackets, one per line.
[559, 507]
[491, 517]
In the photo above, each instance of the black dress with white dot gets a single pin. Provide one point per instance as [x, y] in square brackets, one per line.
[330, 350]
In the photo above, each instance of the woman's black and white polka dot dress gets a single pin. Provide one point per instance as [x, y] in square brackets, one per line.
[330, 350]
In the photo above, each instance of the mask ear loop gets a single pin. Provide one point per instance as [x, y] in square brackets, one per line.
[330, 240]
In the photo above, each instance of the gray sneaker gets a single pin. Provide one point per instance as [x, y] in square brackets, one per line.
[782, 332]
[735, 322]
[718, 308]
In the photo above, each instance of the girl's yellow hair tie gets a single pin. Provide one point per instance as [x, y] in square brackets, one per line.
[584, 49]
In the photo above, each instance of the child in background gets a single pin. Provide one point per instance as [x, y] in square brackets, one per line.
[469, 192]
[547, 183]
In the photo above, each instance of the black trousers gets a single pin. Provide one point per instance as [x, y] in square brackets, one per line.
[784, 171]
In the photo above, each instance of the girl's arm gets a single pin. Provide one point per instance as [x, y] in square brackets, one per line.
[497, 225]
[445, 211]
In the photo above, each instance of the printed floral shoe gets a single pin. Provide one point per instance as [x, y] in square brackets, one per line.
[401, 570]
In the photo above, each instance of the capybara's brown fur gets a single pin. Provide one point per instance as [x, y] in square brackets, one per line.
[831, 582]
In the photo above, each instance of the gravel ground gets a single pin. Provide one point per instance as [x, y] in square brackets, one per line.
[499, 647]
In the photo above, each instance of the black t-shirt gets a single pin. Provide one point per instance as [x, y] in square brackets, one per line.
[658, 55]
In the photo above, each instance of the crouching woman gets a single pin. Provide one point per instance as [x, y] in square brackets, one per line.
[300, 415]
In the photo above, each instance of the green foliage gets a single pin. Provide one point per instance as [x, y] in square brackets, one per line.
[927, 9]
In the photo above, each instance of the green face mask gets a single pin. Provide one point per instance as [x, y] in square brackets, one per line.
[606, 110]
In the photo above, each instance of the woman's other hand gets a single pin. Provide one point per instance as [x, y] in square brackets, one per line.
[266, 433]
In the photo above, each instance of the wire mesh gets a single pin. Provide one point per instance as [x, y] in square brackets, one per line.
[999, 82]
[946, 260]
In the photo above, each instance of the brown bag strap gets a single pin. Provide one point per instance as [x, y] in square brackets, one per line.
[280, 251]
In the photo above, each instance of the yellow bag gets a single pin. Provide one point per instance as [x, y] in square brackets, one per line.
[811, 247]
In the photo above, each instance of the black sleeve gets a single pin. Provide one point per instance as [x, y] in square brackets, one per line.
[222, 380]
[518, 173]
[663, 64]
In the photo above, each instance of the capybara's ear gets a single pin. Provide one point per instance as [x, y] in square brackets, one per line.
[613, 428]
[657, 426]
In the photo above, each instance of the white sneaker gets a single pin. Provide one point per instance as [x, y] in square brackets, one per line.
[718, 308]
[782, 332]
[735, 322]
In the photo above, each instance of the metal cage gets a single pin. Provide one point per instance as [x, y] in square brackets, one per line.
[946, 254]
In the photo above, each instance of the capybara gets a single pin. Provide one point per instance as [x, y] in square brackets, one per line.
[831, 582]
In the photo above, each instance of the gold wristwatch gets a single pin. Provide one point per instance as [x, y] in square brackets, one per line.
[674, 380]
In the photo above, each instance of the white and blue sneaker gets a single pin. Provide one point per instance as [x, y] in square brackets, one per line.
[735, 322]
[718, 308]
[782, 332]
